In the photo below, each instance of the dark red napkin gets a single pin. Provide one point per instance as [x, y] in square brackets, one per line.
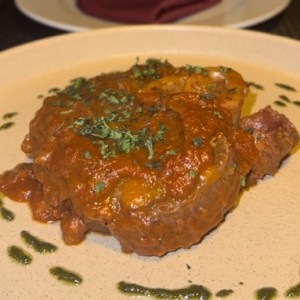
[143, 11]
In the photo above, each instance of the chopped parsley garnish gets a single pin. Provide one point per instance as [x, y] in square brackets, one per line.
[149, 146]
[57, 103]
[223, 69]
[139, 109]
[160, 135]
[77, 96]
[196, 69]
[99, 187]
[249, 130]
[171, 152]
[217, 114]
[149, 70]
[114, 97]
[197, 142]
[72, 89]
[154, 108]
[54, 90]
[211, 85]
[192, 173]
[76, 83]
[242, 181]
[152, 139]
[87, 154]
[207, 96]
[114, 140]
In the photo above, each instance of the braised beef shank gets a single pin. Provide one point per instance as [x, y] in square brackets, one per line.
[155, 155]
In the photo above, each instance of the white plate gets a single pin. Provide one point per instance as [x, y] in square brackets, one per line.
[63, 14]
[258, 244]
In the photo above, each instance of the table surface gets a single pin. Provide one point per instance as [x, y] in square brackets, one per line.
[17, 29]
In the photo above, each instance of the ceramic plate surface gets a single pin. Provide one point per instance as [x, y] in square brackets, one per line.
[63, 14]
[258, 244]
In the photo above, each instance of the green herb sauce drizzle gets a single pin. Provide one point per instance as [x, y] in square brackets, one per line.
[255, 85]
[19, 255]
[9, 115]
[266, 293]
[9, 124]
[190, 292]
[284, 98]
[5, 213]
[294, 291]
[286, 87]
[224, 293]
[37, 244]
[6, 125]
[279, 103]
[66, 276]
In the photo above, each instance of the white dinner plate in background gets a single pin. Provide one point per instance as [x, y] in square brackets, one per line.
[64, 14]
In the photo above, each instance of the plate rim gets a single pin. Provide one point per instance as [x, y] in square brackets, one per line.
[154, 30]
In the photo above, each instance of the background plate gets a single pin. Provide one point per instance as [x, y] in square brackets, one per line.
[63, 14]
[258, 244]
